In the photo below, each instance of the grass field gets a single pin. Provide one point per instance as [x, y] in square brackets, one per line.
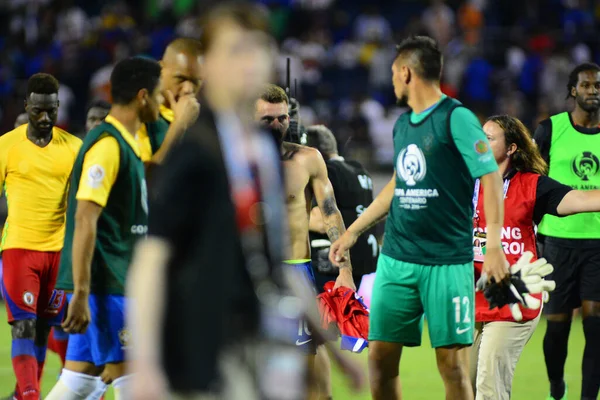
[420, 380]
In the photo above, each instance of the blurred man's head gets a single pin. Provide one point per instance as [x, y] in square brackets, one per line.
[238, 52]
[272, 111]
[41, 103]
[135, 82]
[182, 67]
[419, 60]
[584, 86]
[97, 111]
[322, 139]
[22, 119]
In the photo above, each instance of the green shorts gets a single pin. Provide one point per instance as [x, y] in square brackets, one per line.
[403, 292]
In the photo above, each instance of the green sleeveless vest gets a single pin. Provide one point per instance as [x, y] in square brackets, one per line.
[122, 222]
[157, 131]
[574, 161]
[431, 213]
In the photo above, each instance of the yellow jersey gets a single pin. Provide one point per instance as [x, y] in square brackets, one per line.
[36, 182]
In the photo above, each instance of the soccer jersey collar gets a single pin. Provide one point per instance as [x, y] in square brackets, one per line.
[128, 137]
[167, 113]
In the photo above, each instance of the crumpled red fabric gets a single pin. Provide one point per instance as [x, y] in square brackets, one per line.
[343, 309]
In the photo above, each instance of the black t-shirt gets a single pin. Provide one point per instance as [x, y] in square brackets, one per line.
[549, 194]
[210, 301]
[353, 191]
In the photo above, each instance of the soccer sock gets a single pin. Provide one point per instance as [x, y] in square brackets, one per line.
[101, 388]
[58, 342]
[72, 386]
[591, 358]
[121, 387]
[555, 352]
[40, 356]
[25, 367]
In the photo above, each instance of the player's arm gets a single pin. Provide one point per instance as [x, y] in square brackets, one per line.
[471, 142]
[377, 210]
[560, 200]
[316, 223]
[185, 111]
[543, 139]
[331, 215]
[98, 175]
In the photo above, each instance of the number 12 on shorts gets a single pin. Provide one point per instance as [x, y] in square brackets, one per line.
[466, 309]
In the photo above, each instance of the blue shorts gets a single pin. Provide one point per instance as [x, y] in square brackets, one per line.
[303, 337]
[106, 338]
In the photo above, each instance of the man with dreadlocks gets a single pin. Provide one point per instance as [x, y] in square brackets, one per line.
[570, 144]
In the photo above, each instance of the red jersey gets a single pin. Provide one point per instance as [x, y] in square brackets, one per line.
[518, 236]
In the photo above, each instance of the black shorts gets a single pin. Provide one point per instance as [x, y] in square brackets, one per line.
[576, 273]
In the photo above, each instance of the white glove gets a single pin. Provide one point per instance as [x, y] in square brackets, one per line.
[532, 275]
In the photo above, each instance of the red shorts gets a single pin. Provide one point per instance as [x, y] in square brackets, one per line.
[28, 281]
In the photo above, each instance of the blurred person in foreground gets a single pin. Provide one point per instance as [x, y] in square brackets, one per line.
[426, 265]
[353, 189]
[107, 213]
[501, 333]
[194, 254]
[36, 160]
[570, 143]
[217, 234]
[306, 181]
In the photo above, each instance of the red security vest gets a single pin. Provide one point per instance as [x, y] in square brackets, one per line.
[517, 237]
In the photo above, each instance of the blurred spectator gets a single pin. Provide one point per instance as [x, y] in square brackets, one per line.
[337, 49]
[439, 21]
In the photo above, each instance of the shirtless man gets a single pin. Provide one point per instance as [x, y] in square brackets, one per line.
[305, 177]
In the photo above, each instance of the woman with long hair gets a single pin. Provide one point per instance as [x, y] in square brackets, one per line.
[528, 196]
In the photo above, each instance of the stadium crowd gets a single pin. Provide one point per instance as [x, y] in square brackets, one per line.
[187, 104]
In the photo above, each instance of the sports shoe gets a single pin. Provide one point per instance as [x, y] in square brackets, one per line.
[562, 398]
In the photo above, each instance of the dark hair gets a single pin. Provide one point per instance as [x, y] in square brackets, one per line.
[527, 158]
[42, 84]
[274, 94]
[322, 139]
[247, 15]
[105, 105]
[425, 56]
[132, 75]
[574, 75]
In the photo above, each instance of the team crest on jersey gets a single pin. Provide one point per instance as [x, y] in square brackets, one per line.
[481, 147]
[96, 175]
[124, 337]
[28, 298]
[411, 165]
[144, 195]
[585, 165]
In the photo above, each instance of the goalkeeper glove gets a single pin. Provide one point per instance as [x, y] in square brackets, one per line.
[525, 278]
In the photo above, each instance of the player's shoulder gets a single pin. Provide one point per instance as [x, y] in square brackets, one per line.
[68, 138]
[13, 138]
[294, 151]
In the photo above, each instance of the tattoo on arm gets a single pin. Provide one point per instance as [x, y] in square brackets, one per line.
[329, 206]
[334, 224]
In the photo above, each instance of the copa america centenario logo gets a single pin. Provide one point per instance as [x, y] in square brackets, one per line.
[585, 165]
[411, 165]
